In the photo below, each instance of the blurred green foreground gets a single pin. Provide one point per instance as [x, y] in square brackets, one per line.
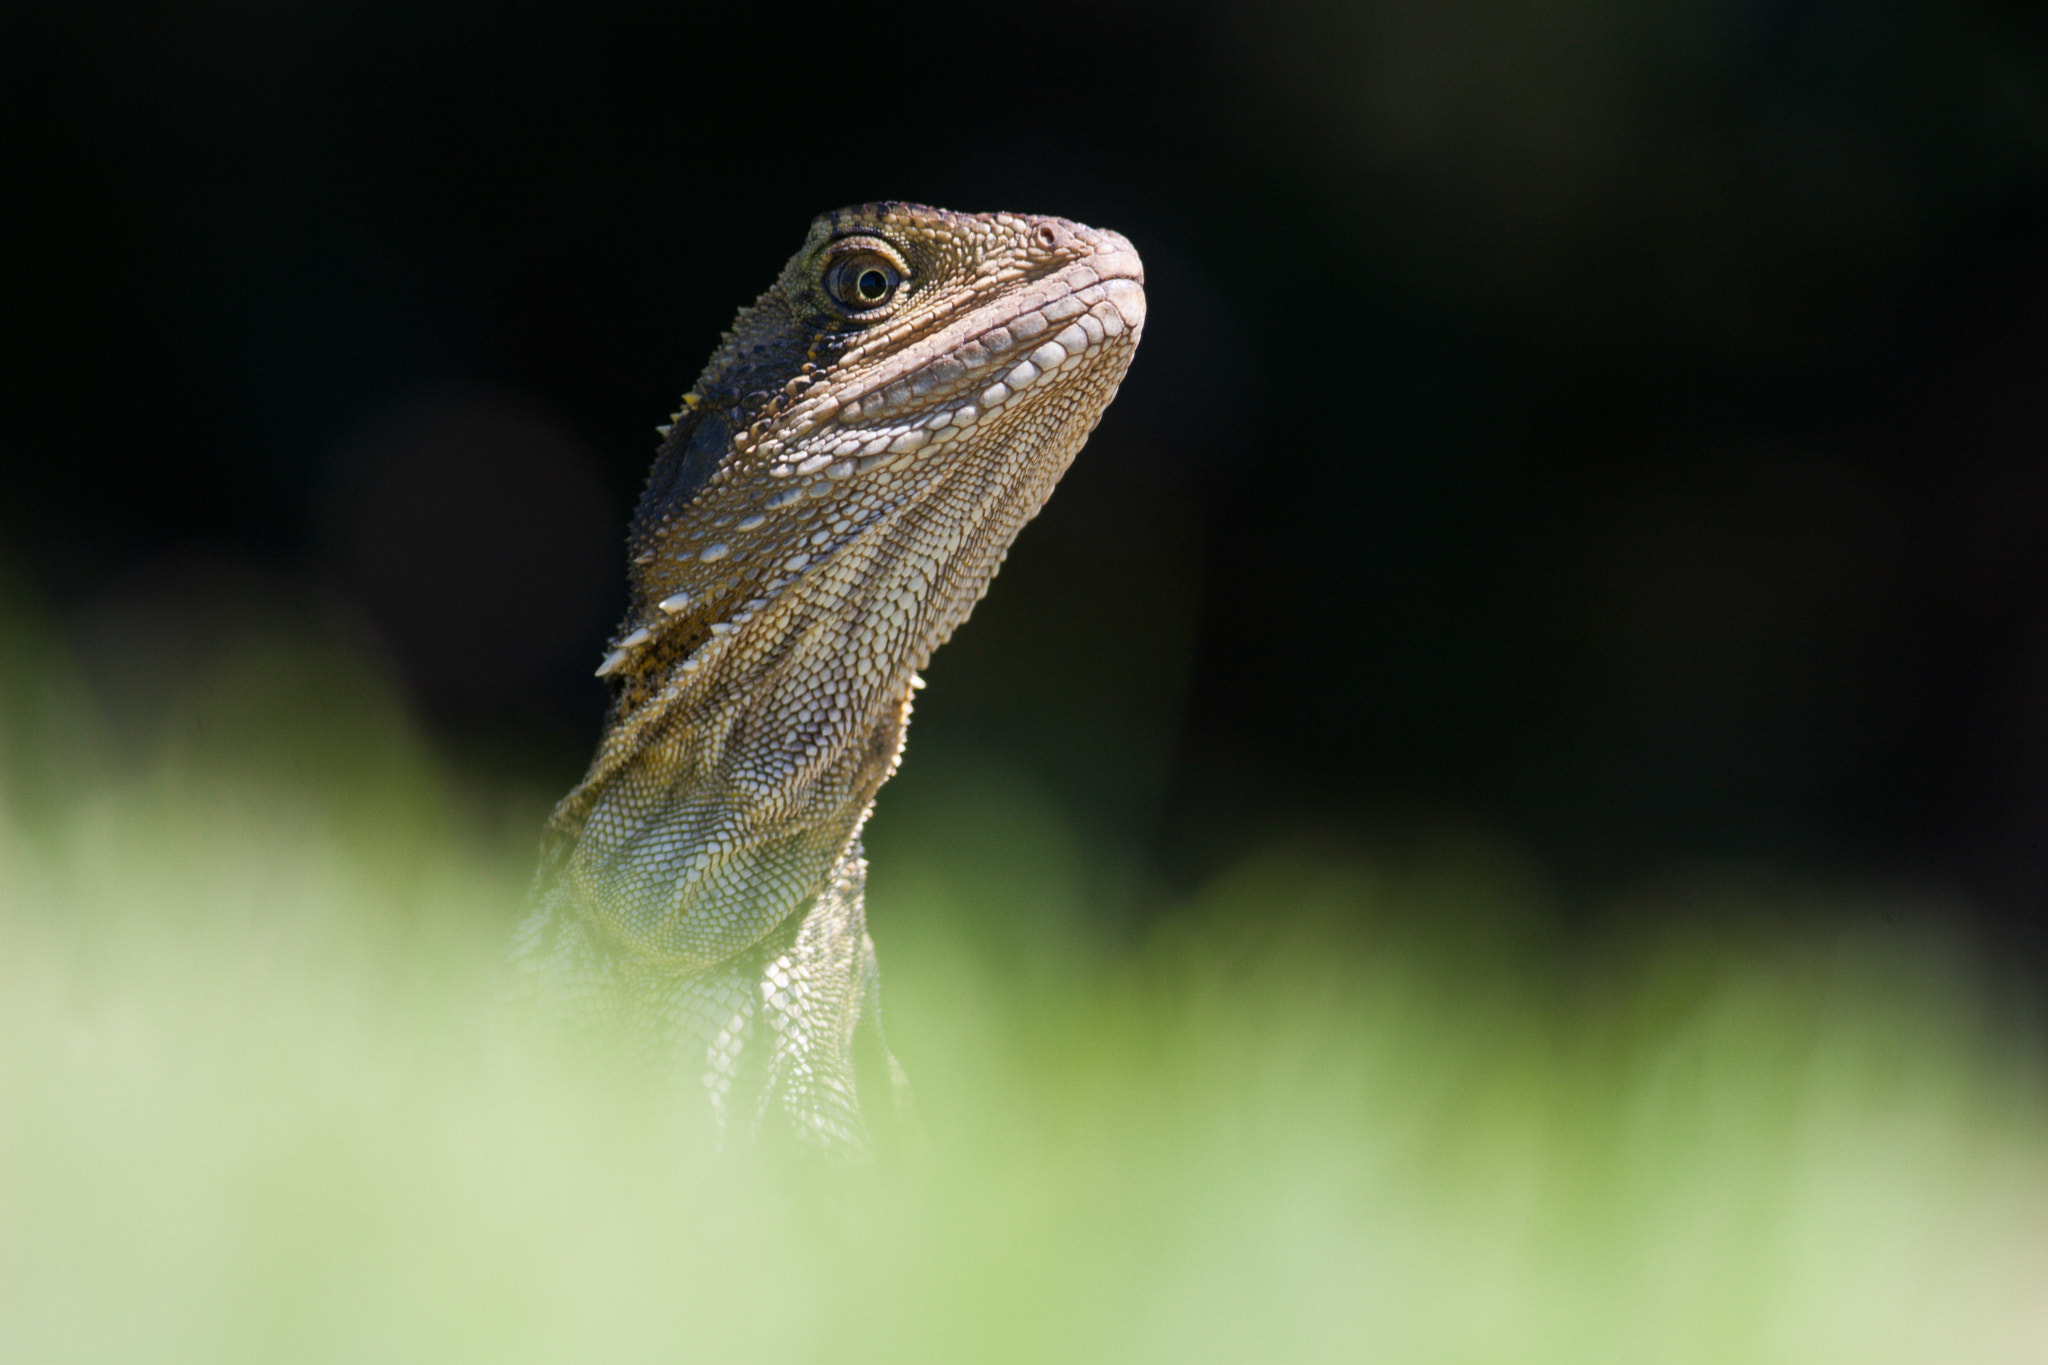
[257, 1101]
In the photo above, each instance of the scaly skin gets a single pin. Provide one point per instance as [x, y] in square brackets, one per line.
[842, 483]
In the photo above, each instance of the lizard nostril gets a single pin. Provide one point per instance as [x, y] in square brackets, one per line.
[1048, 236]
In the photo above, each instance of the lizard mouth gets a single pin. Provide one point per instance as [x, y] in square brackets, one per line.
[1004, 340]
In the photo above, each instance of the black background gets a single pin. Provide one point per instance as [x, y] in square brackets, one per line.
[1617, 429]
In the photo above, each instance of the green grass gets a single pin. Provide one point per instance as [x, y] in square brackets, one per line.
[257, 1101]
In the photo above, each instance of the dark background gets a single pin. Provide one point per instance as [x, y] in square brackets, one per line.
[1618, 430]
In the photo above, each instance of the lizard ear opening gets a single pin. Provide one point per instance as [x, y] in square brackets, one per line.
[689, 457]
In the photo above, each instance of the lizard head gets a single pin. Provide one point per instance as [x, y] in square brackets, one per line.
[894, 331]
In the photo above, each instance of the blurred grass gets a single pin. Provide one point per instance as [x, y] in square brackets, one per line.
[257, 1101]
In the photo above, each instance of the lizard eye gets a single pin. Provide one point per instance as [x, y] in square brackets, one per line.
[863, 281]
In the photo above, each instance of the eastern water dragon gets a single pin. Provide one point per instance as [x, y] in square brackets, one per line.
[841, 484]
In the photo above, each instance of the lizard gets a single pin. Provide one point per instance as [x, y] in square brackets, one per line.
[835, 494]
